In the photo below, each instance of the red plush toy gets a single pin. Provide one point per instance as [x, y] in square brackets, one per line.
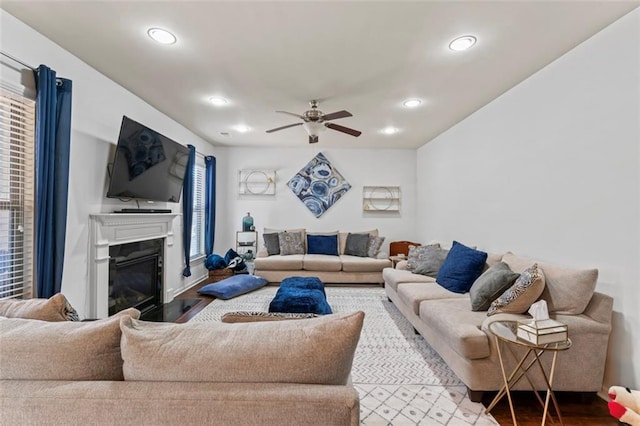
[625, 405]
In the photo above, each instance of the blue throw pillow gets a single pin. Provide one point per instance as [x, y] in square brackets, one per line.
[461, 268]
[234, 260]
[215, 261]
[233, 286]
[322, 244]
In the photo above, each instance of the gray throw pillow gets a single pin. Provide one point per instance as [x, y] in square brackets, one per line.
[375, 244]
[290, 243]
[429, 261]
[357, 245]
[490, 285]
[272, 243]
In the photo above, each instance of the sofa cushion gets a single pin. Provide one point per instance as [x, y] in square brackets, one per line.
[315, 351]
[461, 268]
[40, 350]
[490, 285]
[279, 263]
[322, 244]
[272, 243]
[231, 287]
[418, 253]
[321, 262]
[519, 297]
[412, 294]
[393, 277]
[375, 244]
[429, 261]
[342, 238]
[290, 243]
[55, 308]
[457, 325]
[567, 291]
[363, 264]
[357, 245]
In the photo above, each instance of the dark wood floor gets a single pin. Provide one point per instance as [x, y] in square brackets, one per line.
[578, 409]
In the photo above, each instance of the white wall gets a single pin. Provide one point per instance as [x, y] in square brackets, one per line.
[97, 110]
[550, 170]
[284, 210]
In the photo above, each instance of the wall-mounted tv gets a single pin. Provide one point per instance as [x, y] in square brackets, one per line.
[147, 165]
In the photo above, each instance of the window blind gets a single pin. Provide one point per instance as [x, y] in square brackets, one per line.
[197, 225]
[17, 140]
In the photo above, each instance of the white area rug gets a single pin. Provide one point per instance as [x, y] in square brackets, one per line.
[400, 378]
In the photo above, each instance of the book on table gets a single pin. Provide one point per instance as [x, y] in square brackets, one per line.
[542, 332]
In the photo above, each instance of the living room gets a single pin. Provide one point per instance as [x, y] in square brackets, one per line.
[548, 170]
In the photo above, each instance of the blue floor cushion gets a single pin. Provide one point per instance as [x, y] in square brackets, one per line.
[300, 300]
[233, 286]
[303, 282]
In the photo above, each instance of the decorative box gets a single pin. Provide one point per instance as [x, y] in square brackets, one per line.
[543, 331]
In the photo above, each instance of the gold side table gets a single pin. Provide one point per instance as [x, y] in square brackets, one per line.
[505, 335]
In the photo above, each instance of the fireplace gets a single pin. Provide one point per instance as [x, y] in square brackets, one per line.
[151, 236]
[135, 276]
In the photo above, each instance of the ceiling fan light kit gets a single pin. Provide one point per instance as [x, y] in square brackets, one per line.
[315, 121]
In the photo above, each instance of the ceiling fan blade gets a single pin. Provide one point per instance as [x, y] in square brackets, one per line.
[284, 127]
[313, 139]
[290, 113]
[337, 114]
[343, 129]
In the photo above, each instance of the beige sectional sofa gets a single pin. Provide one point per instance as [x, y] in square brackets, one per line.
[462, 337]
[342, 268]
[123, 371]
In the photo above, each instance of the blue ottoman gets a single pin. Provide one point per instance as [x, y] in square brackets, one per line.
[301, 295]
[312, 283]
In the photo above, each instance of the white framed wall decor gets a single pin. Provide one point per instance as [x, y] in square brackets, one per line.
[256, 182]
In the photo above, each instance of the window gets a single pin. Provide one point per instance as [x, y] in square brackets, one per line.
[197, 224]
[17, 139]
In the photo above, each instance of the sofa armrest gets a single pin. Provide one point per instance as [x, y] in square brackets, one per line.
[600, 308]
[262, 253]
[402, 265]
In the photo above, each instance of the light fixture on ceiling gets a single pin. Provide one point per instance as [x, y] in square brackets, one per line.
[313, 128]
[242, 128]
[462, 43]
[161, 36]
[411, 103]
[390, 130]
[218, 100]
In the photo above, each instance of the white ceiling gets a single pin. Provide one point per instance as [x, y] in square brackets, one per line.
[362, 56]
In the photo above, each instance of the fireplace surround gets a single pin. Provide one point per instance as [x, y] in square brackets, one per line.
[114, 229]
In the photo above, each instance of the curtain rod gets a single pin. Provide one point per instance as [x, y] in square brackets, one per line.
[13, 58]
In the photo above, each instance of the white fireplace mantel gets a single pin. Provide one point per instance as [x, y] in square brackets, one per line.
[110, 229]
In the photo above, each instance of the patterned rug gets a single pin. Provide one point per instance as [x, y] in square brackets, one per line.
[400, 378]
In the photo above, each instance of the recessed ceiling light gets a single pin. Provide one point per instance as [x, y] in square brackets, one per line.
[389, 130]
[218, 101]
[411, 103]
[462, 43]
[161, 36]
[242, 128]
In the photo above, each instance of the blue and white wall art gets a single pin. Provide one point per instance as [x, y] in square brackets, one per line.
[319, 185]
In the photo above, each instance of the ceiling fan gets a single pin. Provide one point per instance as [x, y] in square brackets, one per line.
[315, 121]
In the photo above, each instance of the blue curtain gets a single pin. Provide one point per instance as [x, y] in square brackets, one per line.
[209, 203]
[53, 142]
[187, 209]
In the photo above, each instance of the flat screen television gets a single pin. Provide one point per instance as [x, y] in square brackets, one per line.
[147, 165]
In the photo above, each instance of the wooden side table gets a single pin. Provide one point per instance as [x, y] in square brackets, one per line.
[505, 335]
